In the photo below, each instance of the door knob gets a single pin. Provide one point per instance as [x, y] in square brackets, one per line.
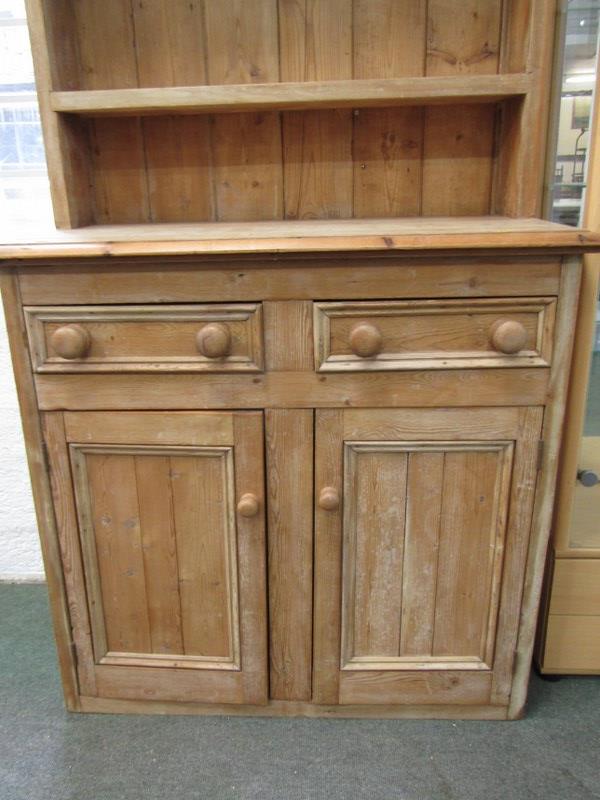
[70, 341]
[365, 340]
[329, 498]
[214, 340]
[508, 336]
[248, 505]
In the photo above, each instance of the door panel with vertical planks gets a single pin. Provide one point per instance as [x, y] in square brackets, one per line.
[171, 563]
[433, 515]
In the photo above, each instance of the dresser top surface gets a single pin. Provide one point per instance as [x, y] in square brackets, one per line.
[306, 236]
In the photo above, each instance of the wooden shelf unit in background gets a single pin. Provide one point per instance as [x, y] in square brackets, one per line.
[207, 111]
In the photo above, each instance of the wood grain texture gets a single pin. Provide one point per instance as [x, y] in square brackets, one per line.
[460, 602]
[421, 552]
[159, 550]
[358, 278]
[389, 687]
[329, 471]
[317, 145]
[70, 548]
[145, 338]
[288, 335]
[279, 708]
[524, 480]
[297, 95]
[242, 48]
[527, 43]
[389, 41]
[458, 146]
[462, 235]
[374, 525]
[457, 160]
[544, 497]
[152, 428]
[293, 389]
[158, 531]
[107, 60]
[170, 51]
[116, 538]
[433, 334]
[252, 549]
[289, 453]
[203, 510]
[468, 529]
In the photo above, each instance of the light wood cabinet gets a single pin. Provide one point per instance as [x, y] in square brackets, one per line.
[293, 383]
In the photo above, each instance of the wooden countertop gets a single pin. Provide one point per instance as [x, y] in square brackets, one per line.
[408, 234]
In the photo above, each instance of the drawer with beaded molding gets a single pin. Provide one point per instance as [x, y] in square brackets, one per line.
[433, 334]
[215, 337]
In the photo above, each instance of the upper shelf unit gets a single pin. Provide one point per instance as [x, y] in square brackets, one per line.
[202, 111]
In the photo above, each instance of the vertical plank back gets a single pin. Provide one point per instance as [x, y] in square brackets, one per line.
[242, 47]
[316, 45]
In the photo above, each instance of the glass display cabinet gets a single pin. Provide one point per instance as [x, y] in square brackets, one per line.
[569, 629]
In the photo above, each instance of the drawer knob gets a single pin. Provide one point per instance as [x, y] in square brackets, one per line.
[329, 498]
[248, 505]
[214, 340]
[508, 336]
[365, 340]
[70, 341]
[587, 477]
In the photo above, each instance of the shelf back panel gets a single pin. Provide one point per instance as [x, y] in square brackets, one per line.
[396, 162]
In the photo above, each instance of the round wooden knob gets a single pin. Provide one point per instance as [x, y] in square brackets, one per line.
[214, 340]
[365, 340]
[248, 505]
[508, 336]
[70, 341]
[329, 498]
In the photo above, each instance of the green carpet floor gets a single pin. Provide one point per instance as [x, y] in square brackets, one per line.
[47, 754]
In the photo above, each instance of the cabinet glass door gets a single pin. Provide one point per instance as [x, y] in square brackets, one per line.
[584, 525]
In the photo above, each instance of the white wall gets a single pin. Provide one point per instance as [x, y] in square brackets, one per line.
[20, 557]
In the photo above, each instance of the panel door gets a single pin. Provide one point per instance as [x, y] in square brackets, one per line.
[161, 519]
[422, 525]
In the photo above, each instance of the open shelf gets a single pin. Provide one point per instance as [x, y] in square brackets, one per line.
[410, 234]
[358, 109]
[294, 96]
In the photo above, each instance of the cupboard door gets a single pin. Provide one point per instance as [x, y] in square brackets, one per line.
[161, 518]
[422, 524]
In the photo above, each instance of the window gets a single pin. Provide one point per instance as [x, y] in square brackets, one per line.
[24, 189]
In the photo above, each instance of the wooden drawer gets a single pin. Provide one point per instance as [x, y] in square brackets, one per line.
[206, 338]
[576, 586]
[433, 334]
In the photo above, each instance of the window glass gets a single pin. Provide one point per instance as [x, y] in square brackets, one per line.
[24, 189]
[578, 81]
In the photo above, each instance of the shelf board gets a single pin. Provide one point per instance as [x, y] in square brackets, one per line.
[290, 96]
[314, 236]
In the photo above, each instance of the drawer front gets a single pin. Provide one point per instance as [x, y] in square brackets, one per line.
[433, 334]
[189, 338]
[572, 644]
[576, 586]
